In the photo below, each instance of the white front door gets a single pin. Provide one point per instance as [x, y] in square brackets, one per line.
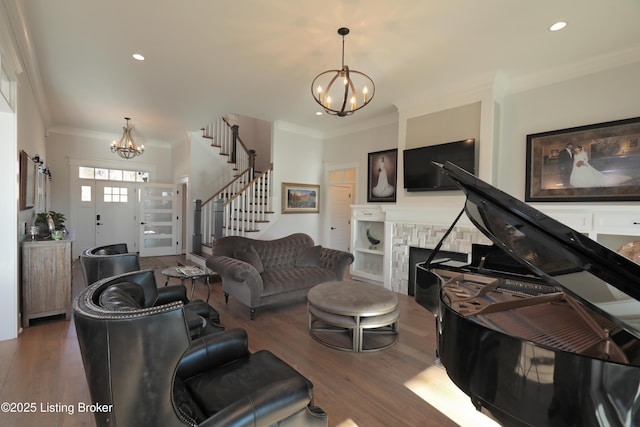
[159, 220]
[115, 214]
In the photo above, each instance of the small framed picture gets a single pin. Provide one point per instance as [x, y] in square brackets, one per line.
[300, 198]
[382, 176]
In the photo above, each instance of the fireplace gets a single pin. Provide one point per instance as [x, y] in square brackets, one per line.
[420, 255]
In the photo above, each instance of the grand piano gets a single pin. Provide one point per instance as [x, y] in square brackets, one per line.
[541, 328]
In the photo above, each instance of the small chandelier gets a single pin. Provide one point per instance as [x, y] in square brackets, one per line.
[127, 147]
[356, 91]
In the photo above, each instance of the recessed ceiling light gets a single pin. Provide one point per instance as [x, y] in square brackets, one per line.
[558, 26]
[318, 113]
[138, 57]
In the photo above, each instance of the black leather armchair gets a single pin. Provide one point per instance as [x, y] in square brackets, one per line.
[111, 260]
[143, 369]
[106, 261]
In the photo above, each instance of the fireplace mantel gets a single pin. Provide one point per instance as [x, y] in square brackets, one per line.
[423, 226]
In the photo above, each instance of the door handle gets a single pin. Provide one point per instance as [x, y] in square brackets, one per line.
[142, 223]
[98, 223]
[333, 228]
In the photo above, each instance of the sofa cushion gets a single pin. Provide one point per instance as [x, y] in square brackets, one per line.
[310, 257]
[250, 256]
[289, 279]
[106, 251]
[185, 404]
[123, 296]
[216, 389]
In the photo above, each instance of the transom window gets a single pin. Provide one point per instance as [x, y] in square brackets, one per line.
[104, 174]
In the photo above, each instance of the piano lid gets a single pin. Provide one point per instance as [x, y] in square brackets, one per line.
[599, 277]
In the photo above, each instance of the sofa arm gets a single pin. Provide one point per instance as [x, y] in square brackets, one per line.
[171, 294]
[213, 350]
[233, 270]
[265, 406]
[335, 260]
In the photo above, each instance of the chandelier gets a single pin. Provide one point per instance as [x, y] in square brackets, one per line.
[353, 90]
[127, 147]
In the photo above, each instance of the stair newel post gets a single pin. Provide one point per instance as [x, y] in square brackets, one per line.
[234, 130]
[218, 218]
[252, 164]
[197, 227]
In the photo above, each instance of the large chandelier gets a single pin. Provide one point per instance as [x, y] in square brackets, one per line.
[353, 90]
[127, 147]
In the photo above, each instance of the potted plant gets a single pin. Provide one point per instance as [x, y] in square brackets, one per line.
[58, 221]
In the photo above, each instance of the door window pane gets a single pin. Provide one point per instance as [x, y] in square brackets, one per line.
[85, 193]
[102, 173]
[115, 175]
[85, 173]
[129, 176]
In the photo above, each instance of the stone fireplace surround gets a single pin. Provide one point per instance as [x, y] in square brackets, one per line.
[420, 228]
[423, 226]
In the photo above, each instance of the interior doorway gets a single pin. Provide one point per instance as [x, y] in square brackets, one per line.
[342, 186]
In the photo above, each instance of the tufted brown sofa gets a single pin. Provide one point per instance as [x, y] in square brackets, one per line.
[262, 272]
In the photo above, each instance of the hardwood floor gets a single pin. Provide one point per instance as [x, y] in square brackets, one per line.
[43, 366]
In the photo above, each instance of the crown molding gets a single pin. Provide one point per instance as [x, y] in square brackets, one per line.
[8, 49]
[291, 127]
[98, 135]
[575, 70]
[25, 51]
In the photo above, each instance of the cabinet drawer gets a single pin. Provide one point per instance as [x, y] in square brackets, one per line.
[624, 223]
[580, 222]
[368, 215]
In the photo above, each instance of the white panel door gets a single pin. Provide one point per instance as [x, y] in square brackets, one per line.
[340, 216]
[115, 214]
[159, 220]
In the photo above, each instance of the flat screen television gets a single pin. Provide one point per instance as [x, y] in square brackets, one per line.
[421, 175]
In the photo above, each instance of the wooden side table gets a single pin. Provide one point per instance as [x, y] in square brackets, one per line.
[46, 279]
[194, 273]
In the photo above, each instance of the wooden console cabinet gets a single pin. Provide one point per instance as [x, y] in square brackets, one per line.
[46, 279]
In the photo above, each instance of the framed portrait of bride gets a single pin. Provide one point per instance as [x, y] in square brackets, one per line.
[597, 162]
[382, 176]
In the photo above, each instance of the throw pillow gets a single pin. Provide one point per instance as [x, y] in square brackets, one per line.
[310, 257]
[250, 255]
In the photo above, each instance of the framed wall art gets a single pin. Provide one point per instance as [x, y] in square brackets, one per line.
[28, 170]
[598, 162]
[300, 198]
[382, 176]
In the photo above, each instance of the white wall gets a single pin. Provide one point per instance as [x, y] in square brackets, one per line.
[353, 148]
[68, 148]
[22, 130]
[600, 97]
[297, 157]
[505, 120]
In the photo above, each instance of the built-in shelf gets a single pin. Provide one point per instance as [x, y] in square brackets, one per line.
[368, 243]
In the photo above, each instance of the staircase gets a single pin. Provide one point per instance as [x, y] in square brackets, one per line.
[244, 203]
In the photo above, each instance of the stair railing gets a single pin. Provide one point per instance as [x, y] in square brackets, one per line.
[250, 206]
[226, 137]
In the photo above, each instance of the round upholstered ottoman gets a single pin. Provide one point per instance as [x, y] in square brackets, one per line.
[368, 314]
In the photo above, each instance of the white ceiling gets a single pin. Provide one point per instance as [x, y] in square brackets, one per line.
[257, 58]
